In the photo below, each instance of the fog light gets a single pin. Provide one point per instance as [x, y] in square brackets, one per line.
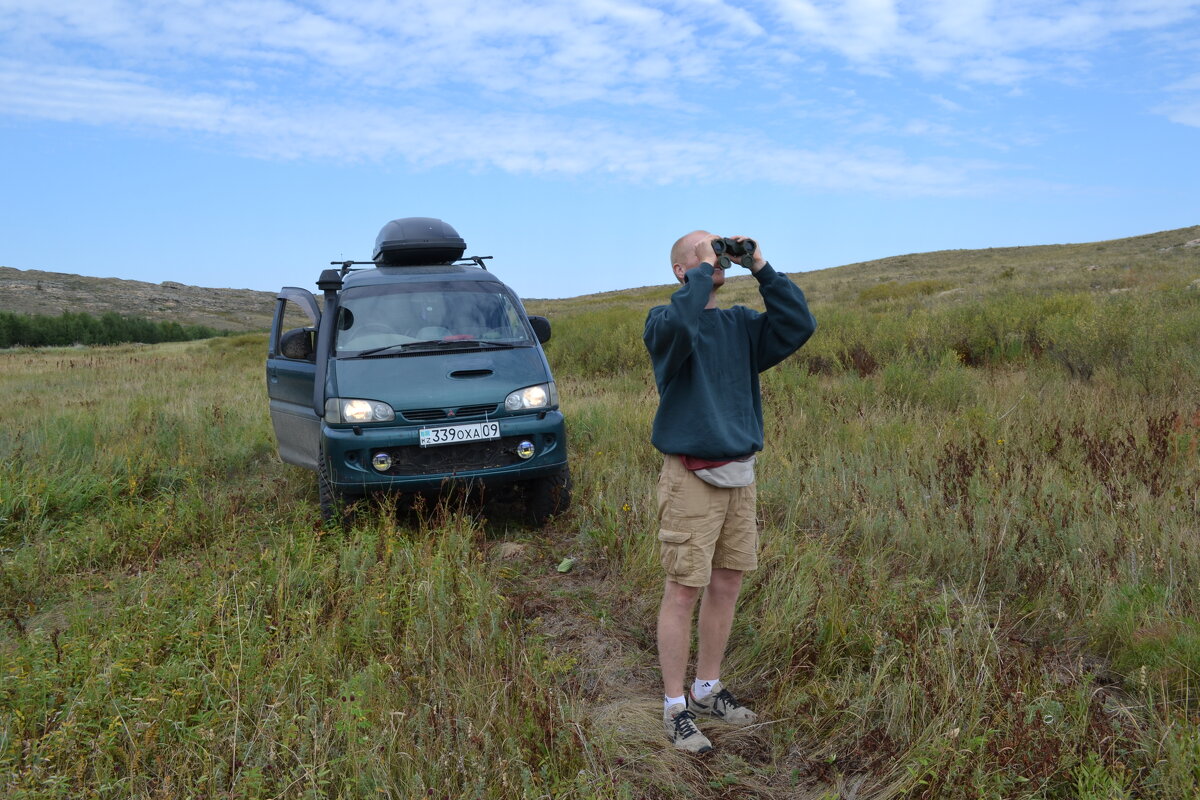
[525, 449]
[382, 462]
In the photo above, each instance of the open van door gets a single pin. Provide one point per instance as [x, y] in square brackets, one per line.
[291, 370]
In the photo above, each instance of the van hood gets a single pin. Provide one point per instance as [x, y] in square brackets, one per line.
[438, 380]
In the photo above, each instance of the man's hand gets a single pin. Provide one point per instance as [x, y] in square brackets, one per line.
[705, 252]
[759, 261]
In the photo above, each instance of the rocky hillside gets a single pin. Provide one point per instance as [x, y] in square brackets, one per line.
[37, 292]
[1166, 257]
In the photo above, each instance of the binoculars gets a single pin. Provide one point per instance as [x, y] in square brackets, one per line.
[743, 251]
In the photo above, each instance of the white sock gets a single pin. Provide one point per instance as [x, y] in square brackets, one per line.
[702, 688]
[674, 701]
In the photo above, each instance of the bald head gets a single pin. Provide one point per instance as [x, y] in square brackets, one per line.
[690, 252]
[684, 250]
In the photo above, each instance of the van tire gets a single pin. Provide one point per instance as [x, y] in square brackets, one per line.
[334, 510]
[548, 496]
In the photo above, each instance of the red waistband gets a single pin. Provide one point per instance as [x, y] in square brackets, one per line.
[693, 463]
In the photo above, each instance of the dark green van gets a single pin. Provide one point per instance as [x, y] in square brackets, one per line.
[418, 370]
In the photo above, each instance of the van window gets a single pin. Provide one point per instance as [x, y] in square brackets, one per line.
[380, 316]
[289, 315]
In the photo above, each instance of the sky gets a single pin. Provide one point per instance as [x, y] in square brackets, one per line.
[248, 143]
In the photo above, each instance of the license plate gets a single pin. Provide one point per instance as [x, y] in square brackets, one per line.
[458, 434]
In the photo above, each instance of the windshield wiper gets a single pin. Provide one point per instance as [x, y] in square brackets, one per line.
[449, 343]
[375, 350]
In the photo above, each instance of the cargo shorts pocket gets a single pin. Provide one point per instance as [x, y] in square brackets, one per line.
[677, 552]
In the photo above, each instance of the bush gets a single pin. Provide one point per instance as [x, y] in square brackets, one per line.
[893, 290]
[40, 330]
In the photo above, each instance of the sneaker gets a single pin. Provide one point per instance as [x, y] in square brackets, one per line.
[722, 705]
[682, 731]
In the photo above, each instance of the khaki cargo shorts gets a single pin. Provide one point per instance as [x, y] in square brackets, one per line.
[703, 527]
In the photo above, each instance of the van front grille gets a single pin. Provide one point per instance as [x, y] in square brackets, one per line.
[439, 414]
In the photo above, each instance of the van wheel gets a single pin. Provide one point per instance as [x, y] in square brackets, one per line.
[548, 496]
[335, 511]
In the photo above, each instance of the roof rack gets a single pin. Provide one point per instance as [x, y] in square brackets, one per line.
[477, 260]
[348, 266]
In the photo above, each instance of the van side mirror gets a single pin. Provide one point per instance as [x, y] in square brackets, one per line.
[541, 328]
[298, 344]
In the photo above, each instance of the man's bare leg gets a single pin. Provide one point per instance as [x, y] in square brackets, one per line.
[675, 634]
[716, 620]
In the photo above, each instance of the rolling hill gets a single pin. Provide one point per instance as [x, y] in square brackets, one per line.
[1156, 258]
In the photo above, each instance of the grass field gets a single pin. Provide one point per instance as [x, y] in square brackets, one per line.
[980, 499]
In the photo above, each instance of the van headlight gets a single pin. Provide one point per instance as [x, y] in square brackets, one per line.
[544, 395]
[350, 409]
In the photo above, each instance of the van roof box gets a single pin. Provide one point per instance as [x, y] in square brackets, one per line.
[413, 241]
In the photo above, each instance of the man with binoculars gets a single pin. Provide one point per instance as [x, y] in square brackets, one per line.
[709, 426]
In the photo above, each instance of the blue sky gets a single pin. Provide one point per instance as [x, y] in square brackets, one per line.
[245, 144]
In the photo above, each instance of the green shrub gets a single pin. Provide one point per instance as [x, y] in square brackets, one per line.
[893, 290]
[36, 330]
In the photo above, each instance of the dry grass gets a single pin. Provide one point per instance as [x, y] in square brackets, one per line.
[978, 575]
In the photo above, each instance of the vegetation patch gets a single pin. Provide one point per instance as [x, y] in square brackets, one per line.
[892, 290]
[35, 330]
[978, 570]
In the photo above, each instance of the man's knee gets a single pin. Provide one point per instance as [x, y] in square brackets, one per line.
[725, 583]
[678, 597]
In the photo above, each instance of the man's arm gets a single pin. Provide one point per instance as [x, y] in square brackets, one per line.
[788, 323]
[671, 330]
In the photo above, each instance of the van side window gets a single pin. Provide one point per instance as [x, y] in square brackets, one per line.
[294, 334]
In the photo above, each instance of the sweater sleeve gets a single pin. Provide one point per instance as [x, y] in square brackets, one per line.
[671, 330]
[788, 323]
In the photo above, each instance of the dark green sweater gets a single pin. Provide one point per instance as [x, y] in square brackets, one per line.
[706, 363]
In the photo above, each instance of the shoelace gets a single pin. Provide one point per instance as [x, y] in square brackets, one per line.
[726, 700]
[685, 724]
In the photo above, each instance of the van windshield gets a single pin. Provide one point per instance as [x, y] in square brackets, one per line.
[383, 317]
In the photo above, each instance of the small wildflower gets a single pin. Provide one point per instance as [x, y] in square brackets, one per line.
[627, 508]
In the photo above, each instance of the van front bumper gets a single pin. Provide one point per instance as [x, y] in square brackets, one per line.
[350, 454]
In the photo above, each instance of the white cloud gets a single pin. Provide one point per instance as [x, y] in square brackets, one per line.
[612, 50]
[946, 103]
[1184, 106]
[530, 143]
[979, 40]
[805, 16]
[732, 24]
[1191, 84]
[584, 50]
[1184, 113]
[556, 86]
